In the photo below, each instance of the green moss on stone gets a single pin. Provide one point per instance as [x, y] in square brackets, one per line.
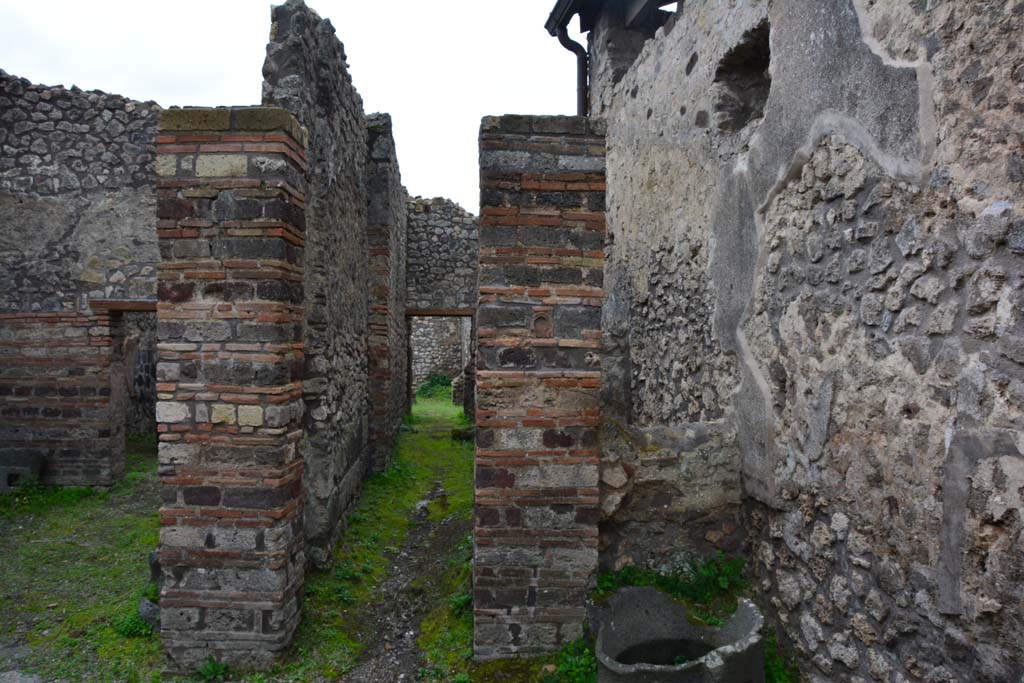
[196, 118]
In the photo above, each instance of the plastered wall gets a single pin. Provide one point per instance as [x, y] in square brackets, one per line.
[813, 313]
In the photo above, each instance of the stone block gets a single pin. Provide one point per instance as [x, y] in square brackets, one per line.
[250, 416]
[166, 165]
[222, 413]
[221, 165]
[270, 118]
[171, 411]
[201, 495]
[196, 119]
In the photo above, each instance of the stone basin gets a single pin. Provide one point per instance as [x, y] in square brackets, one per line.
[644, 636]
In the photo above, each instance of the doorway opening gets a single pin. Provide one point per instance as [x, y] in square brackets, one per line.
[441, 359]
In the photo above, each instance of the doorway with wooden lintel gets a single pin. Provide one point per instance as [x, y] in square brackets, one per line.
[441, 356]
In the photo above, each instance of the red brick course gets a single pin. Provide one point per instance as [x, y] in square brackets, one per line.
[61, 396]
[230, 406]
[541, 260]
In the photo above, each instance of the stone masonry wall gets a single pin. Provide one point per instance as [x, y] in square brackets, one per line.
[305, 72]
[230, 218]
[76, 205]
[436, 347]
[387, 221]
[538, 380]
[814, 301]
[76, 197]
[442, 259]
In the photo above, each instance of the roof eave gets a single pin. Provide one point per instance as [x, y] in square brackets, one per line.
[561, 14]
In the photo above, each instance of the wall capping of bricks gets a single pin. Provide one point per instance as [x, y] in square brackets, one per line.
[538, 380]
[230, 222]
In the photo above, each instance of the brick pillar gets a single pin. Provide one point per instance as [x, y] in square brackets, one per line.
[387, 348]
[230, 223]
[538, 381]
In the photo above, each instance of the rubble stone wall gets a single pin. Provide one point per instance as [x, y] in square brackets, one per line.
[387, 220]
[442, 259]
[76, 206]
[814, 305]
[305, 72]
[538, 380]
[76, 197]
[437, 349]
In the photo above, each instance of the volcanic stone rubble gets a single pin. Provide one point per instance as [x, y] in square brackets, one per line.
[767, 300]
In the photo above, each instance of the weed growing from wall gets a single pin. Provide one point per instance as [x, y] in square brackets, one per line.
[213, 670]
[778, 667]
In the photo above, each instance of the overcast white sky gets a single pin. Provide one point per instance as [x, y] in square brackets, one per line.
[436, 67]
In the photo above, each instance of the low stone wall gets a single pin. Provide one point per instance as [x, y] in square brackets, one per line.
[538, 381]
[231, 216]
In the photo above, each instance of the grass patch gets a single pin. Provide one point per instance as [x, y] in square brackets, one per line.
[331, 636]
[73, 564]
[435, 386]
[446, 633]
[131, 625]
[709, 587]
[33, 498]
[575, 663]
[212, 670]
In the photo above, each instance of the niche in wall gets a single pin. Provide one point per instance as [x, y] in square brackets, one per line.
[743, 81]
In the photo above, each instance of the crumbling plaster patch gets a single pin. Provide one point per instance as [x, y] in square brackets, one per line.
[816, 91]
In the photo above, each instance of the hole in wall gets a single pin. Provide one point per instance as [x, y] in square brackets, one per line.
[743, 80]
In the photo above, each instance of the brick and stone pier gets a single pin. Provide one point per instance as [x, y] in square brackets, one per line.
[538, 380]
[231, 197]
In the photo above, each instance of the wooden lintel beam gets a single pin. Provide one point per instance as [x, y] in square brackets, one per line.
[440, 312]
[124, 305]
